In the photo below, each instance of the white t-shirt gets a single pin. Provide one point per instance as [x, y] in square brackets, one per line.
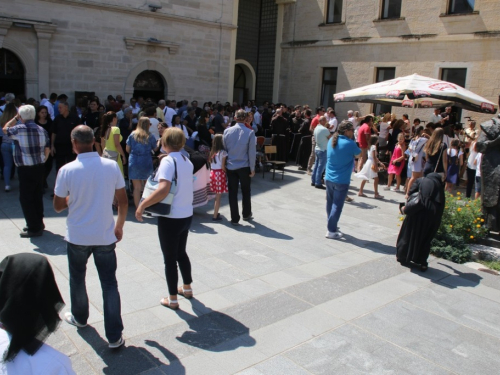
[153, 128]
[169, 113]
[90, 182]
[452, 152]
[478, 164]
[217, 163]
[472, 158]
[184, 129]
[46, 361]
[384, 130]
[333, 124]
[436, 119]
[182, 205]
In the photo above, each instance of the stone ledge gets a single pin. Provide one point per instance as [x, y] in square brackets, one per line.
[444, 15]
[389, 19]
[173, 48]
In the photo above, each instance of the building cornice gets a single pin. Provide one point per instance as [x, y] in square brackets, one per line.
[390, 40]
[143, 12]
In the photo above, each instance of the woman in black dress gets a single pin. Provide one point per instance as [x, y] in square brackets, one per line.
[422, 222]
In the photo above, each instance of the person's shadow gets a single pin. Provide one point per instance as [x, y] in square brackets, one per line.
[130, 360]
[261, 230]
[49, 244]
[213, 331]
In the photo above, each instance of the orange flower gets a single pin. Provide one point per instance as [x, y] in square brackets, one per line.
[471, 237]
[478, 226]
[459, 209]
[482, 220]
[458, 193]
[451, 226]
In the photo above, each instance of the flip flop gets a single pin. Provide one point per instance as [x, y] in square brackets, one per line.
[362, 195]
[378, 196]
[349, 199]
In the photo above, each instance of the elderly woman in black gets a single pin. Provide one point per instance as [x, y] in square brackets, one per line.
[30, 303]
[422, 220]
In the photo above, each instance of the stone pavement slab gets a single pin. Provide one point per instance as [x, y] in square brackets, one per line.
[274, 296]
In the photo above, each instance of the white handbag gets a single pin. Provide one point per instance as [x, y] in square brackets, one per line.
[162, 208]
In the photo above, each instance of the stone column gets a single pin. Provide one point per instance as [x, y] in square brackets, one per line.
[232, 53]
[44, 33]
[277, 54]
[4, 29]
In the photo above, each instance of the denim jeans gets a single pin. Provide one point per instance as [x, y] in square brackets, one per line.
[319, 167]
[8, 161]
[105, 262]
[335, 198]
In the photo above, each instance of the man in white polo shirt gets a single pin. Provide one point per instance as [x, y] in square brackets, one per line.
[91, 229]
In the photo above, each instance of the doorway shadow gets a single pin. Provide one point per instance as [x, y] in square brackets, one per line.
[212, 330]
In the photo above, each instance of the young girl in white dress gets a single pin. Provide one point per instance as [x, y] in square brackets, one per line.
[218, 180]
[370, 169]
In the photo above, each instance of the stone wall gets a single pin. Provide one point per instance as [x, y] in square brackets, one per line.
[469, 41]
[88, 51]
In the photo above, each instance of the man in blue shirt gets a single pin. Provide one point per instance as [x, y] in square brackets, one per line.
[340, 162]
[239, 142]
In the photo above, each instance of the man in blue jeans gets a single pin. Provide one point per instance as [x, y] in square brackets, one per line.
[321, 135]
[87, 186]
[340, 162]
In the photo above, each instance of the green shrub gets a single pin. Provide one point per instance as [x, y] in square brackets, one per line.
[462, 217]
[451, 247]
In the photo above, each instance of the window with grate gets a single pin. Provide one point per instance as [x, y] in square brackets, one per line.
[334, 11]
[384, 74]
[391, 9]
[328, 87]
[461, 6]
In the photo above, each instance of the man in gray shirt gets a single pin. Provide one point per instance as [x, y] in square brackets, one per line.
[239, 142]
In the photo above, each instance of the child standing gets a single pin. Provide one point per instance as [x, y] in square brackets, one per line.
[370, 169]
[397, 163]
[455, 160]
[218, 180]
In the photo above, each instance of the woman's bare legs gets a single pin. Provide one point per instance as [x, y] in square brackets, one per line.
[137, 191]
[217, 205]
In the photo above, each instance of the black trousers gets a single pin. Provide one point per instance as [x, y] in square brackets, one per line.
[471, 178]
[31, 195]
[61, 160]
[240, 177]
[48, 168]
[173, 234]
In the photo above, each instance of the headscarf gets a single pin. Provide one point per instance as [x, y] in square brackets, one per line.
[432, 190]
[29, 302]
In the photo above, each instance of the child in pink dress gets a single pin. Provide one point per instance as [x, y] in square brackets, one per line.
[218, 180]
[397, 163]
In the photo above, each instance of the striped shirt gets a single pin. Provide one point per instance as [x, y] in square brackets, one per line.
[30, 141]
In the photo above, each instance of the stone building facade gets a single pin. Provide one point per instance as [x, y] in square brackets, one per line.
[102, 46]
[336, 45]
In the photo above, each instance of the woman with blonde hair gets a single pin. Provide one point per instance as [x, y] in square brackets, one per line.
[140, 145]
[173, 229]
[434, 150]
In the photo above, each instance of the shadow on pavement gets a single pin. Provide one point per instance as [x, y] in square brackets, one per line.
[129, 359]
[260, 230]
[376, 247]
[49, 244]
[213, 331]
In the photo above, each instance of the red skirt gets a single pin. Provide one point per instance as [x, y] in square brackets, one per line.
[218, 181]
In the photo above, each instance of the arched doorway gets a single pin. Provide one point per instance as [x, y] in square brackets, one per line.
[150, 84]
[12, 73]
[244, 82]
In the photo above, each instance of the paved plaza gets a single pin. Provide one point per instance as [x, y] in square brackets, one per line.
[274, 296]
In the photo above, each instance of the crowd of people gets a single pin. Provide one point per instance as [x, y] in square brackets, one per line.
[186, 155]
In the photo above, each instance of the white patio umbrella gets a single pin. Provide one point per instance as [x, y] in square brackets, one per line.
[416, 91]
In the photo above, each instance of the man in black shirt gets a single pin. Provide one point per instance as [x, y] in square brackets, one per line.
[296, 120]
[218, 122]
[64, 123]
[91, 118]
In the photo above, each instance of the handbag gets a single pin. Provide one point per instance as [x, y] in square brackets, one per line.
[111, 155]
[413, 204]
[164, 207]
[397, 164]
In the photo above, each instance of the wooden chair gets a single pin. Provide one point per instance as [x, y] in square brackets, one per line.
[269, 151]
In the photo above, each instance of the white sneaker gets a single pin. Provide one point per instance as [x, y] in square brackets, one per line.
[387, 188]
[70, 319]
[333, 235]
[115, 345]
[395, 189]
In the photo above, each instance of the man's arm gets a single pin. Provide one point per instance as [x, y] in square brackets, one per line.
[121, 197]
[252, 153]
[9, 124]
[60, 204]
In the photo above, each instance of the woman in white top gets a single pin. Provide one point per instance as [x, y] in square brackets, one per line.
[173, 230]
[29, 313]
[176, 123]
[383, 134]
[416, 158]
[471, 169]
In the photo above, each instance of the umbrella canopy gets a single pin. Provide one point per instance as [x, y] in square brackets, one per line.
[416, 91]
